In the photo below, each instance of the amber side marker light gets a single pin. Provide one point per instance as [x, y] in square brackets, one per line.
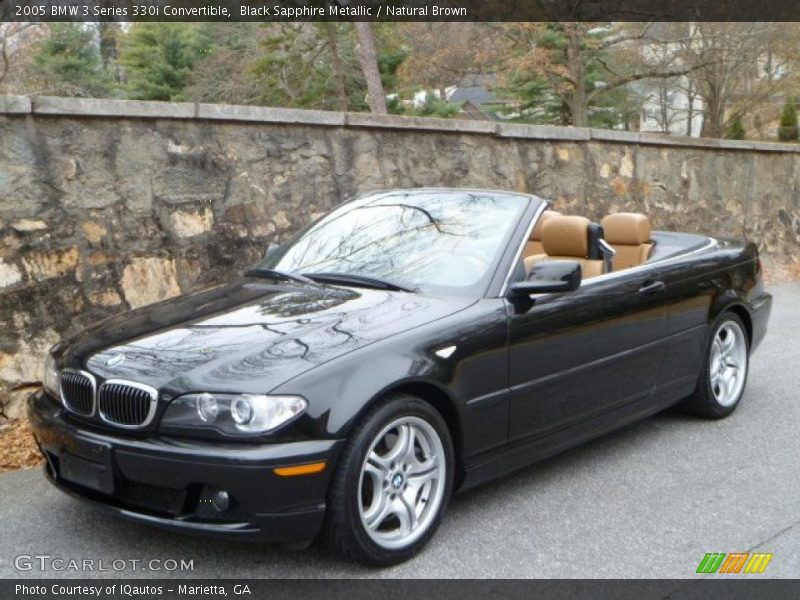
[308, 469]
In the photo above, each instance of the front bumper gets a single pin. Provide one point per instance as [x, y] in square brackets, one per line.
[171, 483]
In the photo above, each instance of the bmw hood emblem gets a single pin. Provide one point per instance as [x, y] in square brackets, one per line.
[115, 360]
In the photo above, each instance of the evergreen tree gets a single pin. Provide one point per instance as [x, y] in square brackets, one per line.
[310, 65]
[735, 129]
[158, 58]
[68, 62]
[787, 131]
[590, 68]
[316, 65]
[390, 57]
[535, 99]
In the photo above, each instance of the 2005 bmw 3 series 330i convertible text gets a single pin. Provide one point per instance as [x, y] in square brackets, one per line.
[407, 344]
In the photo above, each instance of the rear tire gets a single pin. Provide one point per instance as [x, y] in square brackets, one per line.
[724, 373]
[392, 484]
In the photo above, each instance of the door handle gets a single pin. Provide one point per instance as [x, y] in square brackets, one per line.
[652, 287]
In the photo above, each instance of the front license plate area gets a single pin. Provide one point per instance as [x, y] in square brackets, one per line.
[94, 474]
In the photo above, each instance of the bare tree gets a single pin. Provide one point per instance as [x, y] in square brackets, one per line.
[691, 96]
[673, 98]
[10, 33]
[443, 54]
[226, 74]
[738, 66]
[368, 57]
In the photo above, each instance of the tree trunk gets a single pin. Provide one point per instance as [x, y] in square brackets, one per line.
[577, 70]
[3, 58]
[338, 67]
[663, 101]
[577, 107]
[107, 34]
[368, 57]
[713, 116]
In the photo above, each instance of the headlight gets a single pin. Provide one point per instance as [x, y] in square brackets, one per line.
[232, 413]
[207, 408]
[52, 378]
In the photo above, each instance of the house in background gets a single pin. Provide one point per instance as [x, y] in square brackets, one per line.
[475, 95]
[474, 112]
[669, 106]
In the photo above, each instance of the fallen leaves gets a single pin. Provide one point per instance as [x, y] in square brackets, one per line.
[18, 449]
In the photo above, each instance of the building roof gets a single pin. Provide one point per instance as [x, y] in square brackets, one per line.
[475, 89]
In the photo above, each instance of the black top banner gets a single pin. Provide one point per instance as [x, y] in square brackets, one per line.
[398, 10]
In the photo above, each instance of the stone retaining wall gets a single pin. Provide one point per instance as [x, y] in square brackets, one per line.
[108, 205]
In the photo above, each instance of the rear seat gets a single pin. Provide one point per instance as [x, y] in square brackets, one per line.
[534, 245]
[629, 235]
[567, 238]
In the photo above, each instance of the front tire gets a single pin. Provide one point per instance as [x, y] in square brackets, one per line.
[722, 381]
[393, 483]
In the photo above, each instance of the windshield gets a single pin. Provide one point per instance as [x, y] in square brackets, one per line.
[447, 241]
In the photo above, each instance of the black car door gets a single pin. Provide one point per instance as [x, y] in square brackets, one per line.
[576, 355]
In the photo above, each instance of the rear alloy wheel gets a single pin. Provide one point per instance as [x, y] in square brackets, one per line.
[724, 375]
[392, 484]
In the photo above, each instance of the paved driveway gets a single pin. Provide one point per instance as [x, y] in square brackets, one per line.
[648, 501]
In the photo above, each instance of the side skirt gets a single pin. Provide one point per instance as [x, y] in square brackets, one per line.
[528, 452]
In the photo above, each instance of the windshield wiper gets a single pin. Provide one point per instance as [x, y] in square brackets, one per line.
[358, 280]
[275, 274]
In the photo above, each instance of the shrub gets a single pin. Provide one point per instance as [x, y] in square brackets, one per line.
[735, 129]
[787, 131]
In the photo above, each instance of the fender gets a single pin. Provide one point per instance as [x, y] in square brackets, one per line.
[726, 300]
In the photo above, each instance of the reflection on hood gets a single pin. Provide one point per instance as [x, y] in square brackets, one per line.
[249, 337]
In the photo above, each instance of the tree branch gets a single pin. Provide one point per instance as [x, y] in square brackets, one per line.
[625, 38]
[652, 74]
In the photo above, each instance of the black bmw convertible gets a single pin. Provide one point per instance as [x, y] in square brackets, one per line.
[405, 345]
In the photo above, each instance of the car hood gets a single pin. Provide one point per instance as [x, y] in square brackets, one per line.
[248, 337]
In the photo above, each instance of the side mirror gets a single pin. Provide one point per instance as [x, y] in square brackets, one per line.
[554, 276]
[272, 250]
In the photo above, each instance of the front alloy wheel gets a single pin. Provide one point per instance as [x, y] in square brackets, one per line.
[392, 483]
[402, 482]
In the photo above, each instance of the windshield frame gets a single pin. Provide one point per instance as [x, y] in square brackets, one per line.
[495, 272]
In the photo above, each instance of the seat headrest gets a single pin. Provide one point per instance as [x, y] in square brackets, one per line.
[629, 229]
[566, 236]
[536, 234]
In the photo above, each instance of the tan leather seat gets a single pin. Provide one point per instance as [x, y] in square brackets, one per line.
[534, 245]
[629, 235]
[567, 238]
